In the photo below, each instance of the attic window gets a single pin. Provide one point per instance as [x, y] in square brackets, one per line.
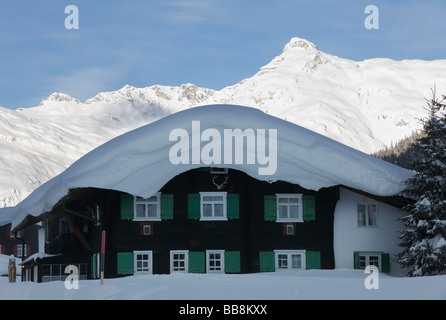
[216, 170]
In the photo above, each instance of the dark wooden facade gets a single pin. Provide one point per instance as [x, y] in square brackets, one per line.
[248, 233]
[12, 244]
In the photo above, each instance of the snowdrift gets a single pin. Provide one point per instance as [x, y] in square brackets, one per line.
[303, 285]
[138, 162]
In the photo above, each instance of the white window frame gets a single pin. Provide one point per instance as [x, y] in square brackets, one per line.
[222, 261]
[147, 230]
[19, 250]
[150, 264]
[224, 202]
[289, 254]
[186, 261]
[367, 256]
[145, 201]
[365, 223]
[297, 196]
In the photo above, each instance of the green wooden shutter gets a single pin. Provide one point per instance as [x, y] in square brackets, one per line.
[313, 259]
[267, 262]
[356, 260]
[125, 263]
[309, 208]
[193, 206]
[127, 202]
[233, 207]
[232, 261]
[270, 208]
[196, 262]
[385, 262]
[93, 266]
[166, 206]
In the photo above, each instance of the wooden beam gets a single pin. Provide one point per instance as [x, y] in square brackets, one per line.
[76, 231]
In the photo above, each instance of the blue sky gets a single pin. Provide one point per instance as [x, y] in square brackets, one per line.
[210, 43]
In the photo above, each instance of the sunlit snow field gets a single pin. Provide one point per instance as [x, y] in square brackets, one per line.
[310, 284]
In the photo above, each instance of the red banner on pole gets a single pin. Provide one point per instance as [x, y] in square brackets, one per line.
[102, 256]
[103, 242]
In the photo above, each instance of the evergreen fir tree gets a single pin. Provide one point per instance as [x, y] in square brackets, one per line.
[424, 238]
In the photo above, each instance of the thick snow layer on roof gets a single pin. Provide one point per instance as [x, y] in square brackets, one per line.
[138, 162]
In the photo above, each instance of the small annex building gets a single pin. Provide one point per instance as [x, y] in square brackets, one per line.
[218, 188]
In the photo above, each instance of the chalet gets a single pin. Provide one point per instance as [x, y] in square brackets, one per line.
[323, 206]
[20, 245]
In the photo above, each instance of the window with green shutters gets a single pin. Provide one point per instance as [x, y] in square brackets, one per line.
[277, 260]
[362, 259]
[213, 206]
[197, 261]
[289, 208]
[145, 209]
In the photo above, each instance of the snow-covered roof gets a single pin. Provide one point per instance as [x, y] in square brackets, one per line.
[138, 162]
[38, 255]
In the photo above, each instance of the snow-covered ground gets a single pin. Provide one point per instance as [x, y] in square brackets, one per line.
[336, 284]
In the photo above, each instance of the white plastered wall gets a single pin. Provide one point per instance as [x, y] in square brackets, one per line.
[348, 237]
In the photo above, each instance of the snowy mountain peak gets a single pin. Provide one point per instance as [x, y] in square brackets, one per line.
[58, 97]
[366, 105]
[298, 55]
[188, 94]
[299, 44]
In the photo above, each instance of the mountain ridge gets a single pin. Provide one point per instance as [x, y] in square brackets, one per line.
[364, 104]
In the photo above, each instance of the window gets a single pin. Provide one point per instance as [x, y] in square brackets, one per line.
[215, 261]
[143, 261]
[147, 229]
[179, 261]
[290, 260]
[213, 206]
[289, 228]
[367, 259]
[215, 170]
[19, 250]
[367, 215]
[147, 208]
[289, 207]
